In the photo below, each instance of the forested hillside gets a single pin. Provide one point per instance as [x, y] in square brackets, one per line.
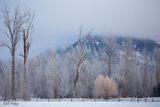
[131, 66]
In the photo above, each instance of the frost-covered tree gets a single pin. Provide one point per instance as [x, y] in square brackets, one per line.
[13, 24]
[157, 62]
[27, 32]
[5, 80]
[110, 51]
[81, 58]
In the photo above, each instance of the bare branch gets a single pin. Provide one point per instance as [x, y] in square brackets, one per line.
[13, 24]
[21, 55]
[7, 46]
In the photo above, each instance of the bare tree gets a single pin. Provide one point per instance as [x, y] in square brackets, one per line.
[128, 67]
[145, 73]
[13, 24]
[128, 56]
[157, 61]
[27, 32]
[82, 57]
[110, 52]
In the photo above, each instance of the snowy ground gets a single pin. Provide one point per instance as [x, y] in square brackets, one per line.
[82, 104]
[79, 103]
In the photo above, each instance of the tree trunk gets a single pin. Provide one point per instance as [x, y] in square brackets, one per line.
[13, 75]
[25, 91]
[157, 71]
[144, 79]
[109, 67]
[76, 80]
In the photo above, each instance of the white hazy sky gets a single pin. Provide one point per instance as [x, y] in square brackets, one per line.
[57, 21]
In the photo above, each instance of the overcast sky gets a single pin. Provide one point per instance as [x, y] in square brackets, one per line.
[57, 21]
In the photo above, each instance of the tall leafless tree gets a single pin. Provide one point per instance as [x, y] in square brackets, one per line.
[128, 66]
[27, 32]
[13, 24]
[82, 57]
[157, 61]
[128, 56]
[110, 52]
[146, 64]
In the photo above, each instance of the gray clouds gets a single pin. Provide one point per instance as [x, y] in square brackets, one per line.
[131, 17]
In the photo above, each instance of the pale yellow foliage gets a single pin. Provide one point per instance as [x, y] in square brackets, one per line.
[105, 87]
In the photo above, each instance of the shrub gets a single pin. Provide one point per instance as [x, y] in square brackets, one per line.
[105, 87]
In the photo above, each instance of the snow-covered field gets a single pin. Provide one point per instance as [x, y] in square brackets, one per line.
[79, 103]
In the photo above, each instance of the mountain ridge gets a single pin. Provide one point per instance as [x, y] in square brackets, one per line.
[98, 43]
